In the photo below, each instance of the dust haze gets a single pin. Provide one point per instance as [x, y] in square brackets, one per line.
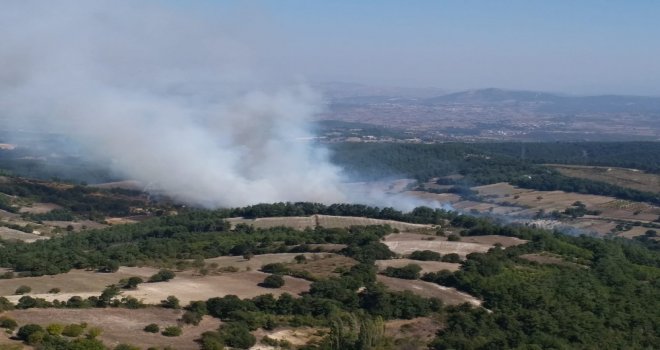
[168, 96]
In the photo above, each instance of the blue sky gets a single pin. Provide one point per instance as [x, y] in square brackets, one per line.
[566, 46]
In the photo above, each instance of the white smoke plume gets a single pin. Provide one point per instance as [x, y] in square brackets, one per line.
[169, 96]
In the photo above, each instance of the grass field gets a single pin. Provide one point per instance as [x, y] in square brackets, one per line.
[629, 178]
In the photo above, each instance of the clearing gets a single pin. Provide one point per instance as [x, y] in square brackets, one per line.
[629, 178]
[448, 295]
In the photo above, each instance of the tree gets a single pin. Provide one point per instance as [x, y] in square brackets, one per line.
[273, 281]
[451, 258]
[237, 335]
[409, 272]
[425, 255]
[73, 330]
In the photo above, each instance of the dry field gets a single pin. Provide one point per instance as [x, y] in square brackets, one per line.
[257, 261]
[427, 266]
[448, 295]
[325, 266]
[77, 225]
[636, 231]
[329, 221]
[629, 178]
[404, 244]
[123, 326]
[39, 208]
[11, 234]
[186, 286]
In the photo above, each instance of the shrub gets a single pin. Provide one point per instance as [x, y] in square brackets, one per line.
[73, 330]
[451, 258]
[7, 322]
[409, 272]
[162, 276]
[190, 317]
[425, 255]
[93, 332]
[171, 302]
[172, 331]
[23, 290]
[126, 347]
[54, 290]
[273, 281]
[152, 328]
[132, 282]
[277, 268]
[55, 329]
[453, 238]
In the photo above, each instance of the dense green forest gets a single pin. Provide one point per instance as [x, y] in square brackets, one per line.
[607, 297]
[517, 163]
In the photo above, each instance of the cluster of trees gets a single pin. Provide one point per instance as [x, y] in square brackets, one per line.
[80, 200]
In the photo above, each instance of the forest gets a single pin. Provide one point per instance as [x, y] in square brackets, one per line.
[520, 164]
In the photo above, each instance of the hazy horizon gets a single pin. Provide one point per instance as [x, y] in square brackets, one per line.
[584, 48]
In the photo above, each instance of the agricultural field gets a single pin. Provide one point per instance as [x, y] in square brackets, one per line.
[123, 326]
[628, 178]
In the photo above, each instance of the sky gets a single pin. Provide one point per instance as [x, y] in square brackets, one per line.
[581, 47]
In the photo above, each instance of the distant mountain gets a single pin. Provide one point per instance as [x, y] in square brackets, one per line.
[493, 95]
[341, 90]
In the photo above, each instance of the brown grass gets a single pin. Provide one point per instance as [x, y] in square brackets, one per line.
[123, 325]
[448, 295]
[324, 266]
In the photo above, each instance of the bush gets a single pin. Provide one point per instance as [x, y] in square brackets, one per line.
[273, 281]
[277, 268]
[94, 332]
[54, 290]
[126, 347]
[152, 328]
[132, 282]
[73, 330]
[172, 331]
[23, 290]
[453, 238]
[162, 276]
[237, 335]
[409, 272]
[7, 322]
[55, 329]
[171, 302]
[190, 317]
[451, 258]
[425, 255]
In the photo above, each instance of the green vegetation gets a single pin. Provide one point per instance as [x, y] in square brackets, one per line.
[172, 331]
[425, 255]
[152, 328]
[408, 272]
[273, 281]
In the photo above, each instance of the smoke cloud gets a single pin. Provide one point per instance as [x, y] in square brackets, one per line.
[168, 96]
